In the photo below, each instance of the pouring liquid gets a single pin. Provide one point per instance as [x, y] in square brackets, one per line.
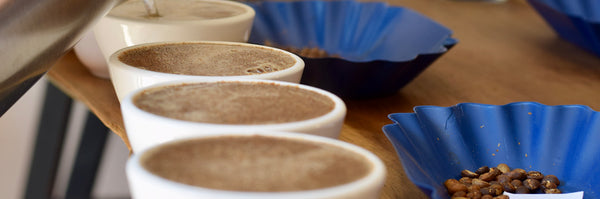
[151, 8]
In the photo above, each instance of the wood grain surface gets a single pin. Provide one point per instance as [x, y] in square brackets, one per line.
[506, 53]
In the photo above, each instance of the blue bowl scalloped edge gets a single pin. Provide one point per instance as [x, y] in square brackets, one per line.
[349, 78]
[574, 29]
[361, 80]
[415, 152]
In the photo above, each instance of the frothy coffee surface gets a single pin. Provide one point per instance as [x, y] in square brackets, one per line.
[256, 163]
[207, 59]
[177, 10]
[234, 103]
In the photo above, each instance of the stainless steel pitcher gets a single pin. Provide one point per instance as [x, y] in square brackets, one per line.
[34, 34]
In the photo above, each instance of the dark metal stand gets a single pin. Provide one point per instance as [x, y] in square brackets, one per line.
[87, 160]
[48, 149]
[48, 144]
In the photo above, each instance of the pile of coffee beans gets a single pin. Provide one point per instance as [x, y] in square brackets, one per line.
[304, 52]
[490, 183]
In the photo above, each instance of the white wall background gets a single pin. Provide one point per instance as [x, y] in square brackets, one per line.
[18, 128]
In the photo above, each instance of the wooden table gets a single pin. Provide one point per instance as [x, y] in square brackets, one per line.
[506, 53]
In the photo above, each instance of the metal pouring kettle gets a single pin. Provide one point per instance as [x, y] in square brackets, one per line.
[36, 33]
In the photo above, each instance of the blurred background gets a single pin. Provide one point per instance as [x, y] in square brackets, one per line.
[19, 127]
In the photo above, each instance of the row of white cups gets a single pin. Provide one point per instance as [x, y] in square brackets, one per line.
[112, 36]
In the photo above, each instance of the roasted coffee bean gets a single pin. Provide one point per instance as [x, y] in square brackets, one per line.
[482, 170]
[467, 173]
[531, 184]
[516, 182]
[480, 183]
[535, 175]
[552, 191]
[469, 195]
[491, 175]
[490, 183]
[495, 171]
[497, 189]
[520, 170]
[503, 168]
[509, 187]
[459, 194]
[493, 190]
[476, 195]
[473, 188]
[551, 178]
[503, 179]
[486, 191]
[548, 185]
[473, 195]
[454, 186]
[522, 189]
[518, 174]
[465, 180]
[487, 177]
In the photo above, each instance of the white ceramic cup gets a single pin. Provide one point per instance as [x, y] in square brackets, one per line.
[88, 52]
[113, 32]
[145, 129]
[144, 184]
[127, 78]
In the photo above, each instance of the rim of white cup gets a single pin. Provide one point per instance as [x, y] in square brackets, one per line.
[298, 66]
[250, 13]
[372, 179]
[333, 115]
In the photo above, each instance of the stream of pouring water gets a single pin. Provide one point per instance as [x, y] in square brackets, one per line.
[151, 8]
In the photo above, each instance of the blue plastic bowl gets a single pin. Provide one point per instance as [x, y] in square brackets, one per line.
[376, 48]
[577, 21]
[436, 143]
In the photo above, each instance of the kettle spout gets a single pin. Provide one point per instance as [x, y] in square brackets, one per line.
[36, 33]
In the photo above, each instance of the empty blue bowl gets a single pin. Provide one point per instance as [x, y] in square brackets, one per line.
[577, 21]
[436, 143]
[375, 48]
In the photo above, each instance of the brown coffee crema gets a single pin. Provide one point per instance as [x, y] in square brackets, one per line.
[256, 163]
[233, 102]
[207, 59]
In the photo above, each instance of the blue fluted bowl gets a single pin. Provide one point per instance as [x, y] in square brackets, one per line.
[436, 143]
[577, 21]
[375, 48]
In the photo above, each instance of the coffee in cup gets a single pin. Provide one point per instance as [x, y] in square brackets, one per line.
[146, 64]
[171, 110]
[207, 59]
[257, 165]
[129, 24]
[234, 103]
